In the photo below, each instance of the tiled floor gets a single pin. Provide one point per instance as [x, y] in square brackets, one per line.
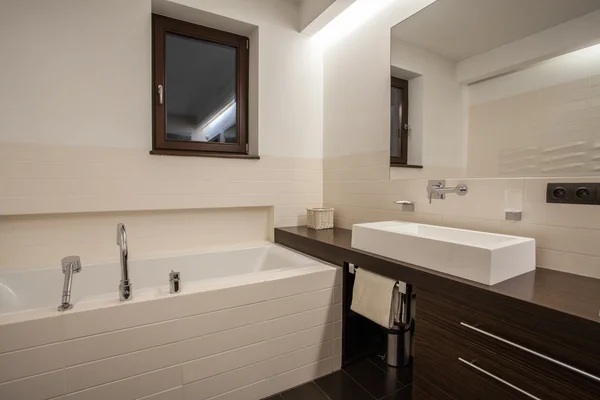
[366, 379]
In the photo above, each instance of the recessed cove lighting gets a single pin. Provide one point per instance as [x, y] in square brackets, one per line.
[352, 17]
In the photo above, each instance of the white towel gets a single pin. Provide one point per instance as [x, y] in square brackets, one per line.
[375, 297]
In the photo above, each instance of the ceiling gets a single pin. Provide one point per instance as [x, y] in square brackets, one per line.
[460, 29]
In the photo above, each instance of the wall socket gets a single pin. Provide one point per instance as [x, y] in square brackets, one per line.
[573, 193]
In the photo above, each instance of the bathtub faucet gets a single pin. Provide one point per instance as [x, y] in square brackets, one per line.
[70, 265]
[125, 286]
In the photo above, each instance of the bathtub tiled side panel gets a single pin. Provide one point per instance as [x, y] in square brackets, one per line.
[245, 342]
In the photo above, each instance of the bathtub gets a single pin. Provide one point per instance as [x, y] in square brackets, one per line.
[249, 322]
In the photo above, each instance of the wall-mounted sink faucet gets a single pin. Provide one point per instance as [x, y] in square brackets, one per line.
[438, 190]
[125, 292]
[70, 265]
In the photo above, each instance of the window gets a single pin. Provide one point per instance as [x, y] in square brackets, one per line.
[200, 93]
[399, 122]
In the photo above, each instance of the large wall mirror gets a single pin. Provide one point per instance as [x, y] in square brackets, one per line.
[498, 88]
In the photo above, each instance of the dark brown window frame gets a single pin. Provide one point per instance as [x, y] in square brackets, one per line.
[162, 25]
[403, 159]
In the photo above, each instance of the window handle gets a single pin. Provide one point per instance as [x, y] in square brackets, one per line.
[160, 94]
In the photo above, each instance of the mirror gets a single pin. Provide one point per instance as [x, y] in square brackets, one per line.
[505, 88]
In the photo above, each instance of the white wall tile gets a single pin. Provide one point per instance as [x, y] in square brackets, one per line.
[337, 346]
[38, 387]
[83, 322]
[36, 360]
[133, 388]
[255, 391]
[337, 329]
[124, 366]
[337, 312]
[336, 363]
[299, 340]
[223, 383]
[570, 229]
[299, 358]
[234, 317]
[171, 394]
[215, 300]
[577, 263]
[224, 341]
[97, 347]
[301, 321]
[223, 362]
[21, 335]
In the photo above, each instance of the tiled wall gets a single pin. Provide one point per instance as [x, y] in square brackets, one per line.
[567, 236]
[101, 183]
[245, 342]
[44, 179]
[43, 240]
[544, 132]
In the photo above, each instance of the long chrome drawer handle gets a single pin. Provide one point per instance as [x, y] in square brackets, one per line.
[462, 360]
[535, 353]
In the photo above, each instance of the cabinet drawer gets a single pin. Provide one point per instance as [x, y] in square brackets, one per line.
[567, 339]
[437, 360]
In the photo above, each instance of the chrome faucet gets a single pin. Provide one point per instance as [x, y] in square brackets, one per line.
[70, 265]
[441, 189]
[125, 286]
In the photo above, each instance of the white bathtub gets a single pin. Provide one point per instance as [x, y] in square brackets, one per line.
[248, 323]
[39, 288]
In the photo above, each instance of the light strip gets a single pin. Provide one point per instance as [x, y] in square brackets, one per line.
[351, 18]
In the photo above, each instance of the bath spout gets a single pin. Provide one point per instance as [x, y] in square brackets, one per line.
[70, 265]
[125, 292]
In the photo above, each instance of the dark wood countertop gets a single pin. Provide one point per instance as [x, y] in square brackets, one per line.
[556, 291]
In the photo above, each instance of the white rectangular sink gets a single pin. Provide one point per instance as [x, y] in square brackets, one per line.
[482, 257]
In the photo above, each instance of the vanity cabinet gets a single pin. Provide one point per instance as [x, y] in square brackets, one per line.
[472, 344]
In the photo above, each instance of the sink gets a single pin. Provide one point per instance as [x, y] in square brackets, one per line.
[482, 257]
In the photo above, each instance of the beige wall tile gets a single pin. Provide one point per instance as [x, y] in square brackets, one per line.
[223, 383]
[581, 241]
[299, 358]
[133, 388]
[21, 335]
[255, 391]
[112, 369]
[38, 387]
[171, 394]
[576, 263]
[97, 347]
[33, 361]
[106, 319]
[310, 280]
[245, 315]
[225, 362]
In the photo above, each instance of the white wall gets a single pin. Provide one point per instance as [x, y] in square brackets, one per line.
[79, 73]
[435, 106]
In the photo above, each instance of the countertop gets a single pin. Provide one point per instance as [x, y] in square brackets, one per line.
[566, 293]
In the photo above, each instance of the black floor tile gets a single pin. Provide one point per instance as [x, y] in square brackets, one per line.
[402, 374]
[308, 391]
[373, 379]
[274, 397]
[402, 394]
[339, 386]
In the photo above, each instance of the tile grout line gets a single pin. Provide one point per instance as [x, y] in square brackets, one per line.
[405, 385]
[361, 386]
[321, 390]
